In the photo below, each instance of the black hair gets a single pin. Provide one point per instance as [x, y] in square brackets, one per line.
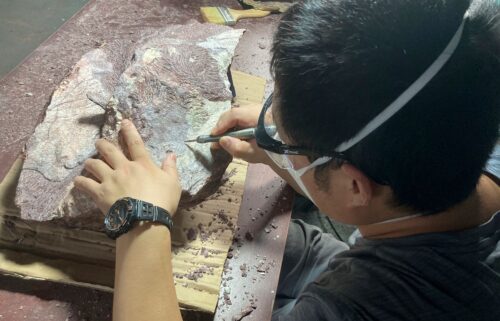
[338, 63]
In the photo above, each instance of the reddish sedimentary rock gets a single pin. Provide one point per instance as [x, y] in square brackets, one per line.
[173, 84]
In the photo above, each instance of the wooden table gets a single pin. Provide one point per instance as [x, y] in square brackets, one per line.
[265, 210]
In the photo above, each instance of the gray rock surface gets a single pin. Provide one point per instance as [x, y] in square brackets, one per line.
[173, 84]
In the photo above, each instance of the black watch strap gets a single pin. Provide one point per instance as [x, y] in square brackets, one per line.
[148, 212]
[125, 211]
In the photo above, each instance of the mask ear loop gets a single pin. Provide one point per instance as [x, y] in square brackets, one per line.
[297, 174]
[317, 162]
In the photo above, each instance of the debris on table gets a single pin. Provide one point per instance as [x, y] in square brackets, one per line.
[244, 312]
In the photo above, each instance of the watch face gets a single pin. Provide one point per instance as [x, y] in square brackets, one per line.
[118, 214]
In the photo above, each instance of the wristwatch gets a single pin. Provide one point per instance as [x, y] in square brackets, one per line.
[126, 211]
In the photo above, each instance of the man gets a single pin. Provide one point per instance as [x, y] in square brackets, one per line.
[387, 112]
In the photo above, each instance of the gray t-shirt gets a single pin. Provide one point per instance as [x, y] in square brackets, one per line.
[439, 276]
[434, 276]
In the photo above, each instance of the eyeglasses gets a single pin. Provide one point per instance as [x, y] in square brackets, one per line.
[268, 139]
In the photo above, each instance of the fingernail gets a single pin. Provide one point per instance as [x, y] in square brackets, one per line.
[171, 155]
[225, 141]
[125, 122]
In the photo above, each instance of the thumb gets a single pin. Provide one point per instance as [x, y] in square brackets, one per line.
[169, 165]
[236, 147]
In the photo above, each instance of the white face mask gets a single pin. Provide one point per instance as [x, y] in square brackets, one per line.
[397, 219]
[284, 162]
[297, 177]
[297, 174]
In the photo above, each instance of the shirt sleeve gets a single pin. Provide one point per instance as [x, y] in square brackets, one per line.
[493, 164]
[312, 307]
[305, 309]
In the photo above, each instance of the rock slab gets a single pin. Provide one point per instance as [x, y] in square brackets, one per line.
[172, 84]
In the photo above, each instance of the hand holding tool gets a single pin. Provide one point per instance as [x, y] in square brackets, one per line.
[244, 134]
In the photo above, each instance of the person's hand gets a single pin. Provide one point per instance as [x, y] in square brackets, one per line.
[138, 177]
[242, 117]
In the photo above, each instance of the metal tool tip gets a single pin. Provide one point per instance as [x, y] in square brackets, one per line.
[190, 141]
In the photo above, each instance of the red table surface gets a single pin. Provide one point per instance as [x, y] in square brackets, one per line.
[265, 210]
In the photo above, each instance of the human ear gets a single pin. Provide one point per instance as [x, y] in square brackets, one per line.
[360, 186]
